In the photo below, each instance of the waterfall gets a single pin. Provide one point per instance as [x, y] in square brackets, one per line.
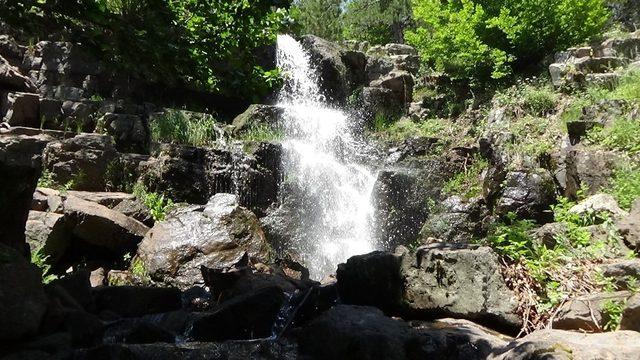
[319, 148]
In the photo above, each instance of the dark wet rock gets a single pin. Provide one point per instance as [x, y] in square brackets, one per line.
[215, 235]
[460, 281]
[356, 63]
[78, 286]
[631, 314]
[20, 109]
[193, 175]
[456, 221]
[135, 331]
[528, 194]
[130, 132]
[377, 101]
[257, 115]
[12, 79]
[373, 279]
[327, 59]
[629, 227]
[248, 316]
[559, 344]
[98, 225]
[20, 161]
[358, 332]
[83, 160]
[136, 301]
[23, 302]
[586, 312]
[48, 232]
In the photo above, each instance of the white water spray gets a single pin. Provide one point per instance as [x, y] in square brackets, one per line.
[319, 147]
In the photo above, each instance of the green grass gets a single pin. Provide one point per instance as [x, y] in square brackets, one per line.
[180, 127]
[467, 183]
[407, 128]
[40, 260]
[623, 135]
[261, 133]
[629, 88]
[535, 98]
[47, 180]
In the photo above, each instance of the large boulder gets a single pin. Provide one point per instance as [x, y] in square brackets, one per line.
[130, 132]
[134, 301]
[21, 109]
[560, 344]
[100, 226]
[460, 281]
[326, 57]
[399, 82]
[215, 235]
[12, 79]
[580, 167]
[23, 302]
[457, 221]
[20, 161]
[48, 232]
[622, 271]
[631, 314]
[528, 194]
[373, 279]
[83, 160]
[602, 204]
[257, 115]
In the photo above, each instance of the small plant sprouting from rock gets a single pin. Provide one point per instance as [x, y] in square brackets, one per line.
[40, 260]
[612, 310]
[157, 203]
[46, 180]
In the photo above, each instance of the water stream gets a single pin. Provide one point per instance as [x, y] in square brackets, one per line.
[320, 148]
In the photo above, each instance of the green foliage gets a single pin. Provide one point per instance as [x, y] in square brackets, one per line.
[119, 177]
[612, 311]
[40, 260]
[157, 203]
[262, 133]
[629, 86]
[181, 127]
[467, 183]
[625, 185]
[622, 135]
[139, 270]
[481, 39]
[207, 44]
[319, 17]
[406, 128]
[377, 21]
[47, 180]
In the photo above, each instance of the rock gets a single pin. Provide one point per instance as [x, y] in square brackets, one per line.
[83, 160]
[356, 63]
[130, 132]
[599, 204]
[136, 301]
[245, 317]
[548, 234]
[257, 115]
[215, 235]
[373, 279]
[45, 199]
[98, 277]
[21, 109]
[559, 344]
[357, 332]
[48, 233]
[23, 302]
[20, 161]
[326, 57]
[629, 227]
[134, 208]
[621, 271]
[528, 194]
[11, 50]
[457, 221]
[108, 199]
[582, 167]
[585, 313]
[399, 49]
[378, 66]
[78, 286]
[134, 331]
[460, 281]
[100, 226]
[377, 101]
[11, 78]
[631, 314]
[399, 82]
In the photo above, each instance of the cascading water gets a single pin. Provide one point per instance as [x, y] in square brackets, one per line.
[319, 149]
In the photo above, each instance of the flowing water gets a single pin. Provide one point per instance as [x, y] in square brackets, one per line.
[320, 147]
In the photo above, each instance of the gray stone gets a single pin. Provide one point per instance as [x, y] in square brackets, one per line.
[585, 312]
[621, 271]
[257, 115]
[327, 59]
[631, 314]
[399, 82]
[130, 132]
[100, 226]
[215, 235]
[47, 232]
[456, 221]
[599, 204]
[629, 227]
[12, 79]
[549, 234]
[526, 193]
[461, 281]
[108, 199]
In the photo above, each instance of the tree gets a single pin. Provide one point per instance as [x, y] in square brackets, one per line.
[319, 17]
[377, 21]
[481, 40]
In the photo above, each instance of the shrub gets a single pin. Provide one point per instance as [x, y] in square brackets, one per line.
[181, 127]
[481, 39]
[625, 185]
[622, 135]
[612, 310]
